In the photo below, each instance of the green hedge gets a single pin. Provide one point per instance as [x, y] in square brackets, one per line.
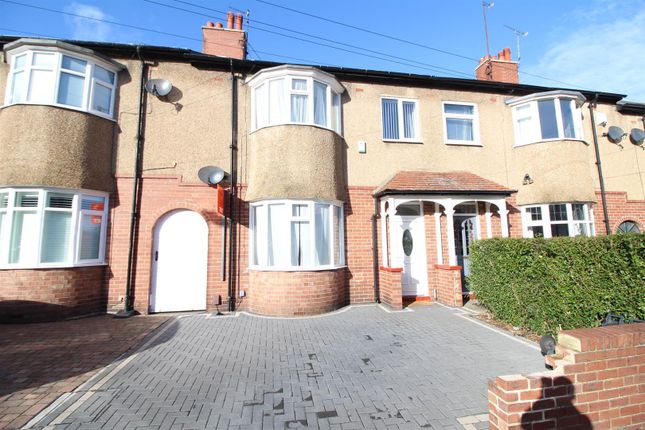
[547, 284]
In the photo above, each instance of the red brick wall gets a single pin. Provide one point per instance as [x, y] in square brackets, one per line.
[297, 293]
[358, 244]
[448, 285]
[598, 382]
[224, 42]
[619, 209]
[390, 287]
[48, 294]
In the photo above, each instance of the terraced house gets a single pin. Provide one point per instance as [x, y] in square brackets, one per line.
[327, 186]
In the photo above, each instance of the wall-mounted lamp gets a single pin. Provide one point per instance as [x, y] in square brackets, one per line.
[527, 180]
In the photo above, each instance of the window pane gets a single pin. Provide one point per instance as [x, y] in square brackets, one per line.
[578, 212]
[628, 227]
[24, 246]
[537, 231]
[536, 213]
[558, 212]
[41, 86]
[300, 210]
[20, 61]
[93, 203]
[335, 115]
[3, 215]
[74, 64]
[254, 233]
[43, 60]
[300, 244]
[299, 108]
[320, 103]
[299, 84]
[323, 251]
[409, 122]
[56, 237]
[408, 209]
[17, 87]
[559, 230]
[102, 98]
[548, 122]
[390, 119]
[27, 199]
[277, 102]
[459, 109]
[459, 129]
[580, 229]
[278, 255]
[103, 74]
[70, 90]
[90, 240]
[338, 234]
[567, 118]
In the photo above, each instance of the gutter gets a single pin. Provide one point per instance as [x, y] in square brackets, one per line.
[592, 105]
[388, 192]
[128, 310]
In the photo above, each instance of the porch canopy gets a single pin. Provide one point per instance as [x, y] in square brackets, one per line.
[447, 190]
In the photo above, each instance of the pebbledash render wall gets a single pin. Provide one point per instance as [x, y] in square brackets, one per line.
[598, 382]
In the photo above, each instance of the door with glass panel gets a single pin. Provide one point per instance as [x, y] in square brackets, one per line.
[179, 263]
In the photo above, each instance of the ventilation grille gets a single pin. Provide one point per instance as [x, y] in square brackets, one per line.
[27, 200]
[61, 201]
[4, 200]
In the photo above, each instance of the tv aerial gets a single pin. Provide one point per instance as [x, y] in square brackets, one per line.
[518, 34]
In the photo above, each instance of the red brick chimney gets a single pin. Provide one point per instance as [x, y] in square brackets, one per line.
[498, 68]
[225, 42]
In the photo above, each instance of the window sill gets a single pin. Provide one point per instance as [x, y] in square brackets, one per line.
[568, 139]
[322, 127]
[463, 143]
[49, 266]
[412, 141]
[294, 269]
[72, 108]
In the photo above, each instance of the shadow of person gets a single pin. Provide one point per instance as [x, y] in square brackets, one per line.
[559, 401]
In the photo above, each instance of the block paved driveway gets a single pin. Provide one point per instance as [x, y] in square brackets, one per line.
[359, 368]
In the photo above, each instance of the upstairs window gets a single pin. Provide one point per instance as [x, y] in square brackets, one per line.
[560, 219]
[295, 95]
[51, 228]
[461, 123]
[553, 118]
[60, 79]
[400, 119]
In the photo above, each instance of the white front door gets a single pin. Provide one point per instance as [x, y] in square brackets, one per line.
[412, 254]
[179, 263]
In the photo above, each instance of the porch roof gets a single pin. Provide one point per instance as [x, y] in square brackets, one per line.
[423, 182]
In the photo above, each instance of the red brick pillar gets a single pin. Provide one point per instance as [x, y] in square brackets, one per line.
[390, 287]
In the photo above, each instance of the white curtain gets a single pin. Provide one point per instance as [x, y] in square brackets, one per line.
[90, 237]
[335, 114]
[320, 103]
[299, 101]
[567, 118]
[390, 109]
[24, 245]
[409, 126]
[323, 256]
[300, 244]
[261, 106]
[459, 129]
[56, 235]
[277, 101]
[277, 255]
[338, 235]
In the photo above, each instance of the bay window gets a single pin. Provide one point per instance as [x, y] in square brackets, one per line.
[61, 78]
[554, 115]
[559, 219]
[295, 95]
[296, 235]
[52, 228]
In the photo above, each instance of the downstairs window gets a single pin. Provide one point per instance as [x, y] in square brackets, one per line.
[559, 219]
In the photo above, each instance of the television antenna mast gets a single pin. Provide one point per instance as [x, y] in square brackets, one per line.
[518, 34]
[486, 5]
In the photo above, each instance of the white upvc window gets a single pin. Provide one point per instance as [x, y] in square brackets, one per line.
[296, 235]
[545, 119]
[558, 219]
[59, 78]
[400, 119]
[461, 123]
[296, 97]
[46, 228]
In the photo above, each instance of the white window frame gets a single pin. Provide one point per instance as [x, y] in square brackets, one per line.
[90, 82]
[417, 125]
[40, 210]
[288, 74]
[535, 131]
[546, 222]
[260, 228]
[474, 117]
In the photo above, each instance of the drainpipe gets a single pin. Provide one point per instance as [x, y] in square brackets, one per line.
[232, 194]
[136, 185]
[592, 105]
[375, 217]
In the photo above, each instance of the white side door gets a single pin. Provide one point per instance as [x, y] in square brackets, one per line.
[412, 256]
[179, 263]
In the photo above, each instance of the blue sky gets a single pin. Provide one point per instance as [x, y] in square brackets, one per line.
[589, 44]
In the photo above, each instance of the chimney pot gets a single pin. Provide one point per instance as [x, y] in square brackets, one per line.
[219, 25]
[210, 24]
[507, 54]
[229, 20]
[238, 21]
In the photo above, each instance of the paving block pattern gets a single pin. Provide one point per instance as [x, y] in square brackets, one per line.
[359, 369]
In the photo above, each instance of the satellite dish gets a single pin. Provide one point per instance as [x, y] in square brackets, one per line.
[637, 136]
[158, 87]
[211, 175]
[615, 134]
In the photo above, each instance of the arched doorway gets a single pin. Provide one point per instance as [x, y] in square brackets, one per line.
[179, 263]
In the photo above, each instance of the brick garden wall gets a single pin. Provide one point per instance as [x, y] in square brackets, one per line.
[47, 294]
[598, 382]
[390, 287]
[447, 283]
